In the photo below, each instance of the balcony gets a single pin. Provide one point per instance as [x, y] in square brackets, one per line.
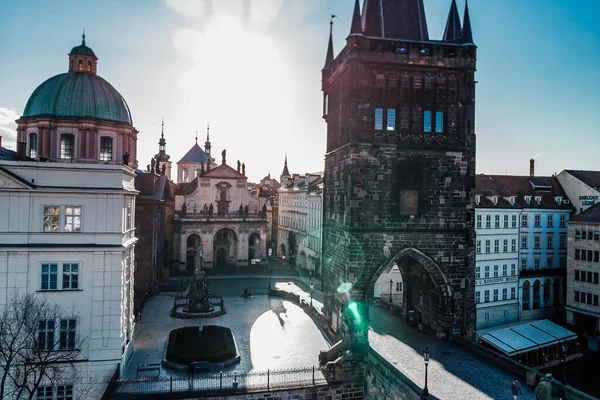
[562, 271]
[216, 216]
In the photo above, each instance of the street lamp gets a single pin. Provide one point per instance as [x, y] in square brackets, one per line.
[426, 358]
[391, 283]
[312, 285]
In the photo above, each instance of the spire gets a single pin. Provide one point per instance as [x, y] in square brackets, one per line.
[285, 172]
[395, 19]
[196, 136]
[208, 131]
[329, 57]
[162, 133]
[83, 37]
[162, 145]
[356, 28]
[453, 29]
[372, 21]
[207, 145]
[467, 34]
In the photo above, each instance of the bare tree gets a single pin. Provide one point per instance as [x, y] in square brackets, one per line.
[39, 347]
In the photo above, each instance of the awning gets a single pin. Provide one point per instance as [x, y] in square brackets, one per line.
[527, 337]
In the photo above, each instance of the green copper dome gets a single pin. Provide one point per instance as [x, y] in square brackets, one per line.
[82, 49]
[77, 95]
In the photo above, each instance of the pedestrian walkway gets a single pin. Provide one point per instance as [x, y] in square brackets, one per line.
[453, 372]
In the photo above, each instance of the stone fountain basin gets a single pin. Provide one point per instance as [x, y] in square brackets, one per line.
[181, 312]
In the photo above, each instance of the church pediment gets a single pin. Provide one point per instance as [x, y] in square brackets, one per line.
[223, 171]
[9, 181]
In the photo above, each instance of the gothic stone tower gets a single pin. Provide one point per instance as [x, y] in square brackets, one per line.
[400, 167]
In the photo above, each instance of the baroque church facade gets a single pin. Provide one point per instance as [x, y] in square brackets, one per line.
[400, 167]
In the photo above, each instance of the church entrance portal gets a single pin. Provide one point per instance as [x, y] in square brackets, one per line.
[193, 245]
[254, 247]
[225, 246]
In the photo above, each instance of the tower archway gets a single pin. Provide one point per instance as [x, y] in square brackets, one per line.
[225, 246]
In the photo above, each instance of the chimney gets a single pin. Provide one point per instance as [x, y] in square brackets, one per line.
[532, 167]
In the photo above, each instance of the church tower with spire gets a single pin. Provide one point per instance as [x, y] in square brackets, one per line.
[162, 158]
[285, 173]
[400, 168]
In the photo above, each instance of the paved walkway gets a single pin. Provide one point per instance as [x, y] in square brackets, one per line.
[267, 331]
[453, 372]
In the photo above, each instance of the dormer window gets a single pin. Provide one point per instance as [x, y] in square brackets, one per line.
[477, 199]
[558, 200]
[538, 200]
[528, 200]
[495, 200]
[80, 65]
[512, 200]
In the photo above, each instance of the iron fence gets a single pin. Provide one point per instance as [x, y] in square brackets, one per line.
[255, 381]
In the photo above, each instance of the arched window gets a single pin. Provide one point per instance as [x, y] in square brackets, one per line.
[80, 65]
[89, 66]
[526, 289]
[67, 146]
[536, 294]
[184, 175]
[33, 145]
[106, 148]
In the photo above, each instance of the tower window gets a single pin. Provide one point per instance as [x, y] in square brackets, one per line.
[427, 121]
[89, 66]
[106, 145]
[391, 119]
[379, 118]
[409, 186]
[33, 145]
[439, 122]
[67, 145]
[80, 65]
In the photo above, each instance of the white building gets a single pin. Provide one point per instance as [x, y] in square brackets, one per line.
[581, 187]
[521, 245]
[67, 233]
[300, 219]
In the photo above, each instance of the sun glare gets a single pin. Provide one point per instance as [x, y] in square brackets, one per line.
[237, 77]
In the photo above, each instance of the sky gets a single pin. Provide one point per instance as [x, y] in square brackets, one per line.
[254, 73]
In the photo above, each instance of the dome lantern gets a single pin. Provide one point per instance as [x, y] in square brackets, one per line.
[82, 58]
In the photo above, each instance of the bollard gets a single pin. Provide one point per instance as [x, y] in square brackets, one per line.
[313, 375]
[268, 381]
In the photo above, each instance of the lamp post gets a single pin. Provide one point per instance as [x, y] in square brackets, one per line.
[426, 358]
[312, 285]
[391, 283]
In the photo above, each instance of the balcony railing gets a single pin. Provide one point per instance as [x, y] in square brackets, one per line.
[216, 216]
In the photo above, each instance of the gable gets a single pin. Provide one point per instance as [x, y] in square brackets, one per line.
[223, 171]
[10, 181]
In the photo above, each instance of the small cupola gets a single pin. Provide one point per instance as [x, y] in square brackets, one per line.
[82, 58]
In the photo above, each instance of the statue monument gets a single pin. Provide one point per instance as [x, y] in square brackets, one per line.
[198, 293]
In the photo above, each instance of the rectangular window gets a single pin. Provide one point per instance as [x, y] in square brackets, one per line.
[106, 149]
[497, 246]
[379, 119]
[584, 234]
[524, 241]
[398, 286]
[477, 272]
[590, 235]
[590, 276]
[488, 221]
[67, 334]
[477, 297]
[550, 221]
[52, 219]
[524, 221]
[439, 122]
[562, 241]
[67, 145]
[595, 299]
[504, 294]
[596, 256]
[583, 255]
[391, 119]
[505, 246]
[536, 262]
[487, 271]
[506, 221]
[513, 293]
[478, 218]
[589, 298]
[495, 271]
[49, 276]
[72, 219]
[524, 262]
[582, 297]
[550, 241]
[128, 219]
[577, 296]
[513, 269]
[596, 278]
[563, 221]
[562, 261]
[46, 334]
[70, 276]
[496, 221]
[505, 270]
[536, 241]
[577, 234]
[495, 294]
[487, 246]
[427, 121]
[596, 235]
[582, 275]
[514, 221]
[549, 261]
[487, 296]
[513, 245]
[576, 274]
[478, 247]
[44, 393]
[590, 255]
[33, 145]
[64, 392]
